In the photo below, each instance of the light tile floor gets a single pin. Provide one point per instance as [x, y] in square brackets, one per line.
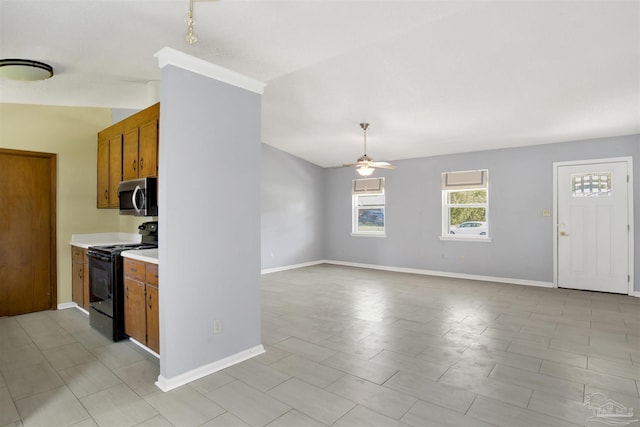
[348, 347]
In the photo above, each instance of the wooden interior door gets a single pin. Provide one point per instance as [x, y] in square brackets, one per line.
[27, 232]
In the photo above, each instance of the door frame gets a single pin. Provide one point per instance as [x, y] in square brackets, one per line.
[629, 161]
[53, 242]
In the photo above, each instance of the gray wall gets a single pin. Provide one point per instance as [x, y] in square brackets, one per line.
[209, 220]
[520, 187]
[292, 222]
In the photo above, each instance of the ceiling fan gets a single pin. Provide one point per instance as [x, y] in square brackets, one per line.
[365, 164]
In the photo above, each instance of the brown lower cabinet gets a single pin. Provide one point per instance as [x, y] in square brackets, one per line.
[153, 320]
[141, 319]
[80, 277]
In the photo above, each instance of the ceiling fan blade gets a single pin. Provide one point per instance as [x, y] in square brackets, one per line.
[382, 165]
[351, 164]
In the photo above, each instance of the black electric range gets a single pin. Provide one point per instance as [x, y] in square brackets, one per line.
[106, 283]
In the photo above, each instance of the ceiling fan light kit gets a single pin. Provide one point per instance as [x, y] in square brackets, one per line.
[25, 69]
[365, 165]
[365, 170]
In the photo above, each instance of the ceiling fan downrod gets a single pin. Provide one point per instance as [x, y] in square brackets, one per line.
[364, 127]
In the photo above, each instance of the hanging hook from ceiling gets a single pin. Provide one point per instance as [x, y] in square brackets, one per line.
[191, 38]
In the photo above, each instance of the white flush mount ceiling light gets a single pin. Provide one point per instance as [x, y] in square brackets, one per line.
[365, 164]
[191, 38]
[25, 69]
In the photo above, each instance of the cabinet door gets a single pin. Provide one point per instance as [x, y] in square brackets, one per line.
[134, 310]
[103, 173]
[134, 269]
[77, 275]
[153, 319]
[151, 274]
[148, 149]
[77, 282]
[85, 277]
[130, 154]
[115, 169]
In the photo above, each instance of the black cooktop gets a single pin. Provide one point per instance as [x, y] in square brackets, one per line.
[116, 249]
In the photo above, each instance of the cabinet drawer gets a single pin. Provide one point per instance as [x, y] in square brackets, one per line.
[77, 254]
[134, 269]
[152, 274]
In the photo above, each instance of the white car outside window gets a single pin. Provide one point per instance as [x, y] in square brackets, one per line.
[478, 228]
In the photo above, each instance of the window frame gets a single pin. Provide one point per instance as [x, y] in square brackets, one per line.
[447, 206]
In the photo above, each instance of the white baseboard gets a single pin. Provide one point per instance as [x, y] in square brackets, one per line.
[291, 267]
[65, 305]
[416, 271]
[524, 282]
[145, 348]
[166, 384]
[445, 274]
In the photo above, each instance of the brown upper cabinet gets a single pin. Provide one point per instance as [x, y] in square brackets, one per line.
[103, 171]
[115, 169]
[130, 154]
[127, 150]
[140, 151]
[109, 169]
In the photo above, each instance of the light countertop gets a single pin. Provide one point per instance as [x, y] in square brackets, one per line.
[146, 255]
[102, 239]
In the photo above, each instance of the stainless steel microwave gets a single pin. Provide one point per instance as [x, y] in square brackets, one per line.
[139, 197]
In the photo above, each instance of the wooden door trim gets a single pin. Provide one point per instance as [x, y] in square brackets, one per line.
[630, 217]
[53, 273]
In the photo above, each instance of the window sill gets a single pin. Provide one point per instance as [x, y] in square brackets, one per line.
[383, 235]
[482, 239]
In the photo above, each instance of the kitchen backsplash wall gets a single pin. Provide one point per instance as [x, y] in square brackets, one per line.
[129, 223]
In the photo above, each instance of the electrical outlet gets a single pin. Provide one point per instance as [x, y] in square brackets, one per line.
[217, 326]
[546, 212]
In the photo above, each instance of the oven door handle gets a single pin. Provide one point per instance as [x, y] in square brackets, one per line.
[98, 256]
[134, 198]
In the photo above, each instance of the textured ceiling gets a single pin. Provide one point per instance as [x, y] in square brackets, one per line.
[432, 77]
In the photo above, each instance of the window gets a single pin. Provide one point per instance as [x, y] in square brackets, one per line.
[591, 184]
[465, 205]
[368, 199]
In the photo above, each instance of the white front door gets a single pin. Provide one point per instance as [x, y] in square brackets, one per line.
[593, 226]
